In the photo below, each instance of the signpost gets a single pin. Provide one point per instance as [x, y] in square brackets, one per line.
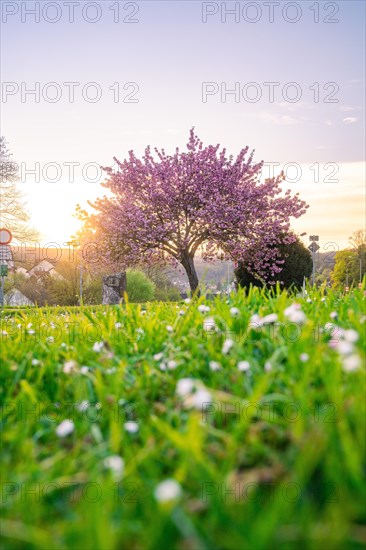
[5, 239]
[314, 247]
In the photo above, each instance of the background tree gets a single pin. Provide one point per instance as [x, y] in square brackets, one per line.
[165, 290]
[297, 265]
[358, 242]
[13, 213]
[163, 209]
[139, 287]
[346, 271]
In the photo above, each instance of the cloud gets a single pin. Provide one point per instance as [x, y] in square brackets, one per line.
[282, 120]
[350, 120]
[348, 108]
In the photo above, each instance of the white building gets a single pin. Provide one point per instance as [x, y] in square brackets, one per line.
[42, 268]
[16, 298]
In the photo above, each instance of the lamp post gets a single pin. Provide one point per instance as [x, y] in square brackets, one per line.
[76, 244]
[314, 247]
[5, 240]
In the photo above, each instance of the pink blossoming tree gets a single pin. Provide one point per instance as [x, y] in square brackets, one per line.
[163, 209]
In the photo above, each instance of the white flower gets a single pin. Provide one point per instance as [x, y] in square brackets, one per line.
[63, 345]
[267, 366]
[351, 363]
[227, 345]
[114, 463]
[131, 427]
[234, 311]
[271, 318]
[344, 347]
[4, 333]
[298, 317]
[140, 330]
[65, 428]
[69, 366]
[243, 366]
[214, 365]
[29, 325]
[209, 324]
[333, 315]
[309, 301]
[50, 339]
[304, 357]
[35, 362]
[185, 386]
[118, 325]
[294, 314]
[31, 331]
[198, 399]
[158, 356]
[350, 335]
[98, 346]
[255, 320]
[84, 370]
[83, 405]
[162, 366]
[187, 300]
[169, 328]
[143, 312]
[168, 491]
[323, 299]
[172, 364]
[202, 308]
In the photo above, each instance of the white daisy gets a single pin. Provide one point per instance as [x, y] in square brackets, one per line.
[351, 363]
[168, 491]
[114, 463]
[65, 428]
[98, 346]
[69, 367]
[131, 427]
[243, 366]
[227, 345]
[185, 386]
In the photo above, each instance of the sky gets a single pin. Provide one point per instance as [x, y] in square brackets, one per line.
[285, 78]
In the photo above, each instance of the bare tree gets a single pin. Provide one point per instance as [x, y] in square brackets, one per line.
[13, 212]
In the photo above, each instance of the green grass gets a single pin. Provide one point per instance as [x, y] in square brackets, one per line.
[274, 458]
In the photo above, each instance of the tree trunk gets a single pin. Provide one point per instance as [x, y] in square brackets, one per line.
[188, 264]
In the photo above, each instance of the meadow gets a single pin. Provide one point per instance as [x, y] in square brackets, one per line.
[237, 423]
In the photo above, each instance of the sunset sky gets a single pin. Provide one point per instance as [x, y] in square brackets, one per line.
[168, 53]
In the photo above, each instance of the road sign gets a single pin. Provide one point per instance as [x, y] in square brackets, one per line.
[314, 238]
[314, 247]
[5, 236]
[3, 270]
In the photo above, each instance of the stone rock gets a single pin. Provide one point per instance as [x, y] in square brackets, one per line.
[113, 288]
